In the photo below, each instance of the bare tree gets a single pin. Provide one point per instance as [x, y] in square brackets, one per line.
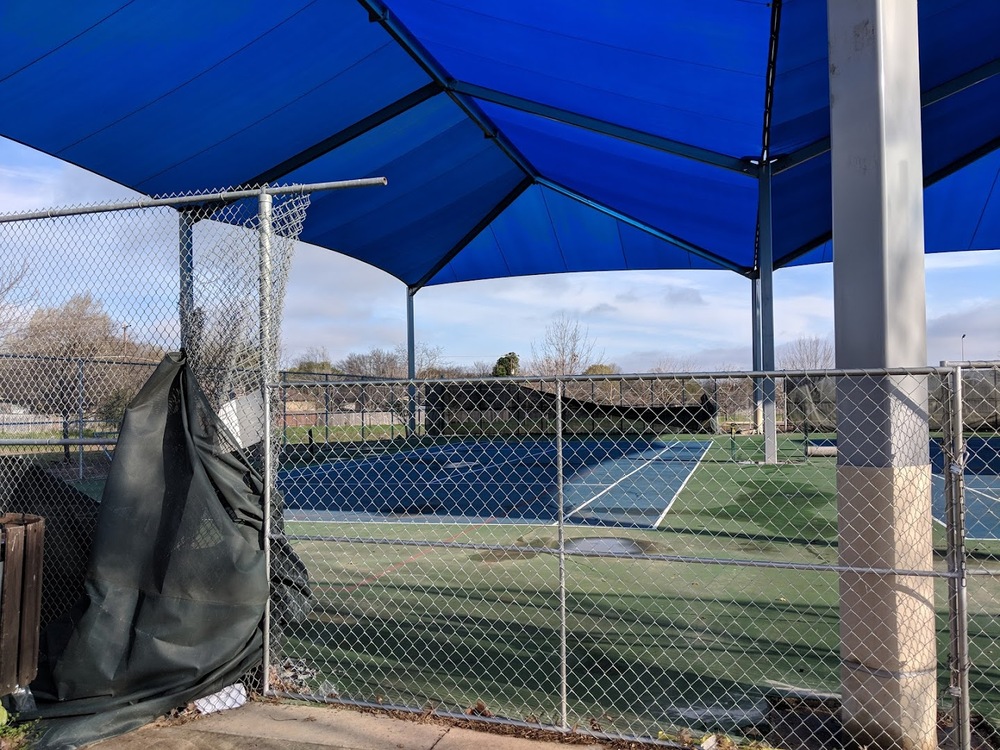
[69, 360]
[428, 360]
[392, 363]
[807, 353]
[480, 369]
[375, 363]
[672, 364]
[315, 359]
[734, 396]
[564, 349]
[13, 298]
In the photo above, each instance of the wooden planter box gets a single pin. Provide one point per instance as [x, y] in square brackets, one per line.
[21, 540]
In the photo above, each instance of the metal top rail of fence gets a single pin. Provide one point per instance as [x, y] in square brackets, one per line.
[321, 379]
[192, 199]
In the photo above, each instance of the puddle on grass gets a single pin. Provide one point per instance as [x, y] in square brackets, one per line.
[588, 545]
[605, 545]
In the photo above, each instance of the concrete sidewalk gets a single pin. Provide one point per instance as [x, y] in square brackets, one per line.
[274, 726]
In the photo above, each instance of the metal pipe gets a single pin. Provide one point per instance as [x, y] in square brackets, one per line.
[185, 244]
[766, 299]
[723, 561]
[187, 200]
[265, 202]
[411, 368]
[703, 375]
[79, 406]
[561, 523]
[59, 441]
[958, 605]
[755, 354]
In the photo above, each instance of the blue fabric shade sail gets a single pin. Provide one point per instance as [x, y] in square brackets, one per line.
[518, 138]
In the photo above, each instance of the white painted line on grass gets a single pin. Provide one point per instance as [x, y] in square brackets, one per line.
[681, 488]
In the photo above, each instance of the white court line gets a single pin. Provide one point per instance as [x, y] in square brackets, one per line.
[983, 493]
[610, 487]
[681, 488]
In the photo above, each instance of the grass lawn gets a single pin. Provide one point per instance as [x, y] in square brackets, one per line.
[651, 643]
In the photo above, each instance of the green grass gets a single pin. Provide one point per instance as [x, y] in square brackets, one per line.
[416, 625]
[413, 625]
[410, 625]
[343, 434]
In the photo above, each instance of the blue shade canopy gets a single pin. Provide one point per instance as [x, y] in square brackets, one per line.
[519, 137]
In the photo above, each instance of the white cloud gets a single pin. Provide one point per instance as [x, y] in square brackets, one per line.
[978, 323]
[971, 259]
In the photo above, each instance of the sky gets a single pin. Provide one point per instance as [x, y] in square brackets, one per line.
[639, 320]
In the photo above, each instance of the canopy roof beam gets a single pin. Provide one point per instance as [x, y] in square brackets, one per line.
[675, 241]
[770, 77]
[379, 13]
[927, 98]
[498, 209]
[349, 133]
[593, 124]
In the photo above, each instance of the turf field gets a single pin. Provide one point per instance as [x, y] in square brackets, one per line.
[665, 634]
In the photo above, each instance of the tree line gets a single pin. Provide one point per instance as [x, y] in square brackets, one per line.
[70, 359]
[75, 357]
[564, 348]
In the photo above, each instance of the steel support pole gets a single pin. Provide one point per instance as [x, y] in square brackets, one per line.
[887, 633]
[80, 386]
[756, 363]
[411, 367]
[958, 603]
[185, 244]
[264, 207]
[561, 523]
[766, 298]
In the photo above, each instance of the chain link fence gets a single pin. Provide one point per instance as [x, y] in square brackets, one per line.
[91, 299]
[615, 555]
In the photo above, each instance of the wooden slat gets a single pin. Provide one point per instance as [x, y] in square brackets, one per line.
[31, 600]
[10, 602]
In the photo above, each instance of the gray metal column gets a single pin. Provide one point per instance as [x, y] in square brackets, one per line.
[766, 300]
[264, 213]
[185, 233]
[958, 586]
[411, 366]
[755, 317]
[888, 654]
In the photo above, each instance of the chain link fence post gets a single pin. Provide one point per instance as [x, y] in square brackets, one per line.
[79, 413]
[958, 610]
[561, 523]
[264, 229]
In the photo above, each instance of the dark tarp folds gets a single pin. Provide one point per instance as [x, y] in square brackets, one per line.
[176, 587]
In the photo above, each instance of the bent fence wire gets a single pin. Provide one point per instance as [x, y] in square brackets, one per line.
[614, 555]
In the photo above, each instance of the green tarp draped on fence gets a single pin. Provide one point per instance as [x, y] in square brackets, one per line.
[176, 587]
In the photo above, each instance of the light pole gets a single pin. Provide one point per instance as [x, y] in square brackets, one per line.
[963, 347]
[125, 327]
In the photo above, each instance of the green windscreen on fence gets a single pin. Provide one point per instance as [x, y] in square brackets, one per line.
[176, 587]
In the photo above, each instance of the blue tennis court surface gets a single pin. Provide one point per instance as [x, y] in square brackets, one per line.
[982, 487]
[607, 482]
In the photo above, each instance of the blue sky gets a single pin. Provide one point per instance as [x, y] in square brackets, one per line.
[639, 318]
